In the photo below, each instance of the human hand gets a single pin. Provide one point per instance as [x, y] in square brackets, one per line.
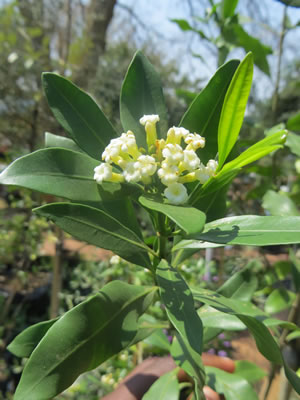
[136, 384]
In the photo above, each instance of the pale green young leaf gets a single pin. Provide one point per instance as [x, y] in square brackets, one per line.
[249, 371]
[234, 106]
[203, 114]
[279, 204]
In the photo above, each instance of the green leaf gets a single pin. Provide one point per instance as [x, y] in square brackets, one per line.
[258, 150]
[279, 204]
[233, 386]
[158, 339]
[249, 371]
[241, 285]
[183, 24]
[52, 140]
[234, 106]
[164, 388]
[293, 123]
[279, 300]
[228, 7]
[248, 230]
[263, 338]
[24, 344]
[187, 218]
[96, 227]
[190, 361]
[212, 318]
[142, 94]
[83, 338]
[204, 113]
[291, 3]
[60, 172]
[293, 142]
[179, 303]
[78, 114]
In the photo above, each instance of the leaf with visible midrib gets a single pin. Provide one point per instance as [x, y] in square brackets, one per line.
[96, 227]
[78, 114]
[83, 338]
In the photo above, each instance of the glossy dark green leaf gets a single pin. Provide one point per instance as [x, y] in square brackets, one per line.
[187, 218]
[234, 386]
[293, 378]
[293, 142]
[279, 204]
[78, 114]
[248, 230]
[164, 388]
[142, 94]
[96, 227]
[228, 7]
[24, 344]
[234, 106]
[278, 300]
[60, 172]
[52, 140]
[83, 338]
[179, 303]
[293, 123]
[190, 361]
[204, 113]
[249, 371]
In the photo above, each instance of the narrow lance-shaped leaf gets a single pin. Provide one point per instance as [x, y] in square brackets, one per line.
[234, 106]
[248, 230]
[83, 338]
[96, 227]
[179, 303]
[204, 113]
[78, 114]
[187, 218]
[142, 94]
[60, 172]
[24, 344]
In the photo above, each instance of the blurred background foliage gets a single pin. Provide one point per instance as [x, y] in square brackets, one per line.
[92, 43]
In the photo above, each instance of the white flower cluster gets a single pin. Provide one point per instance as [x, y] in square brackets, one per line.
[174, 164]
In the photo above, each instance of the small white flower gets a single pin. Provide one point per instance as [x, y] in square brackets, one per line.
[146, 165]
[173, 153]
[152, 119]
[176, 193]
[131, 174]
[168, 173]
[115, 260]
[211, 167]
[190, 161]
[204, 173]
[194, 141]
[103, 172]
[175, 134]
[12, 57]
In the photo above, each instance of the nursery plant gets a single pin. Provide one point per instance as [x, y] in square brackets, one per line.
[179, 176]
